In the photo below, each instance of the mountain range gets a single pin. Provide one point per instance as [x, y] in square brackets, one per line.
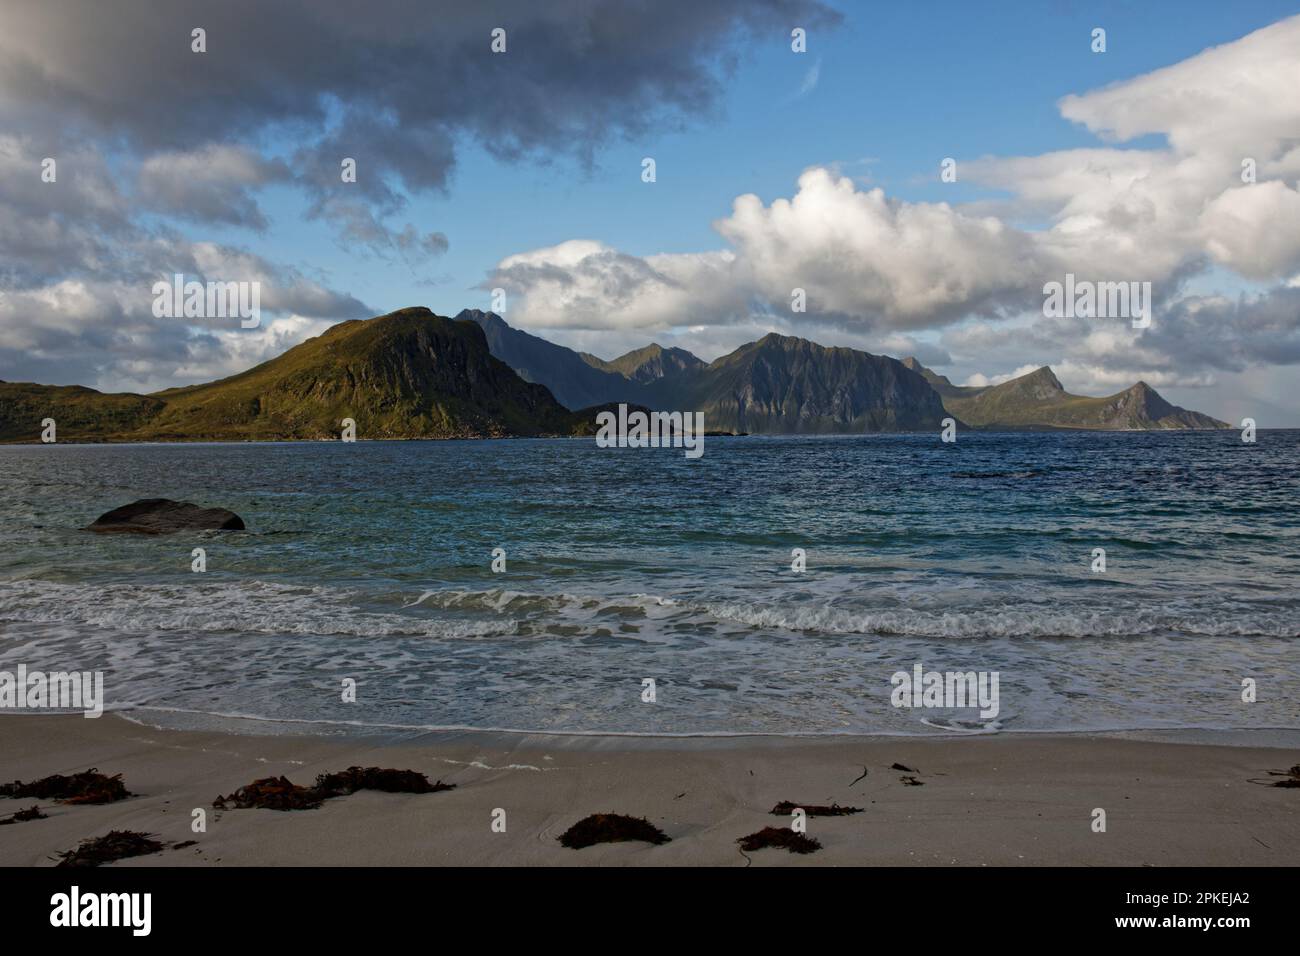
[414, 374]
[782, 384]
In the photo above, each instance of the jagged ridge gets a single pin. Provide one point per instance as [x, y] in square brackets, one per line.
[782, 384]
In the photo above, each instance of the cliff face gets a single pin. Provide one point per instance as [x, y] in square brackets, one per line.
[776, 385]
[571, 377]
[1038, 400]
[781, 384]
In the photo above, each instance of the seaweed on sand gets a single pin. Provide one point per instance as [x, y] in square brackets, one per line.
[611, 828]
[115, 845]
[279, 793]
[779, 838]
[1290, 778]
[375, 778]
[22, 816]
[89, 786]
[786, 807]
[271, 793]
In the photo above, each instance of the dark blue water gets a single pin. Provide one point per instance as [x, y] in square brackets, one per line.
[372, 561]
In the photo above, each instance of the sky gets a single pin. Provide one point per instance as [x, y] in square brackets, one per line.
[774, 170]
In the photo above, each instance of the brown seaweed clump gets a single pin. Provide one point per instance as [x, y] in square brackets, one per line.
[115, 845]
[90, 786]
[786, 807]
[279, 793]
[375, 778]
[779, 838]
[611, 828]
[22, 816]
[271, 793]
[1290, 778]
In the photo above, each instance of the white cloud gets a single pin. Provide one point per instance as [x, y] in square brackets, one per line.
[1255, 230]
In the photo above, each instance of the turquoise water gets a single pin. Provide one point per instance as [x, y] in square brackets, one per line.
[372, 561]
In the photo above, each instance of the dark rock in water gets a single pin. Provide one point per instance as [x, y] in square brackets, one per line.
[163, 516]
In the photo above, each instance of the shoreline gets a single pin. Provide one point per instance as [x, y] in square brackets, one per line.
[235, 724]
[1001, 799]
[23, 442]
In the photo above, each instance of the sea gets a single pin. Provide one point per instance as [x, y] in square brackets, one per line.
[553, 586]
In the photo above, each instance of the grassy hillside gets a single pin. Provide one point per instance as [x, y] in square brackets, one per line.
[409, 374]
[80, 413]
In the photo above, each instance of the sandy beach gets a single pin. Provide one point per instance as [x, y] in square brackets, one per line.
[994, 800]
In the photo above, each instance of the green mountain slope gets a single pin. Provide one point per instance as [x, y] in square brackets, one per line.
[1038, 401]
[78, 412]
[409, 374]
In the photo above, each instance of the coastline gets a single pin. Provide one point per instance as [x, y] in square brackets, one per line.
[973, 429]
[982, 800]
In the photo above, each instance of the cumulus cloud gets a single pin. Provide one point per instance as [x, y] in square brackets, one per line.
[1255, 230]
[586, 284]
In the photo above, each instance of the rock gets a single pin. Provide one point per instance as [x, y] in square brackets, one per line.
[163, 516]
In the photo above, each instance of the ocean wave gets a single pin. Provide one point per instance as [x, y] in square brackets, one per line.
[255, 606]
[959, 610]
[1020, 620]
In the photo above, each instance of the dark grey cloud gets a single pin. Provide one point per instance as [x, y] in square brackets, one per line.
[1231, 335]
[390, 83]
[575, 71]
[147, 133]
[214, 184]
